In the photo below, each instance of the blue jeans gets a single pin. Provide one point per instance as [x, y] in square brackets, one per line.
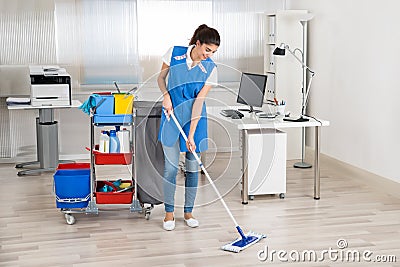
[171, 155]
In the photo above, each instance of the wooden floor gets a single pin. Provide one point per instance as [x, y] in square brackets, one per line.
[358, 207]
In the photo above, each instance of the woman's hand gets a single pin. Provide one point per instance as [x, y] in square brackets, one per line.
[191, 146]
[167, 104]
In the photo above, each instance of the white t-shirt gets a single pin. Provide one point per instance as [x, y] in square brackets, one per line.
[166, 58]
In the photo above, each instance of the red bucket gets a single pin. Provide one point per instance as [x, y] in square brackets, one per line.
[73, 166]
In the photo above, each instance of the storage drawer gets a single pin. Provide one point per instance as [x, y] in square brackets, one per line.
[50, 91]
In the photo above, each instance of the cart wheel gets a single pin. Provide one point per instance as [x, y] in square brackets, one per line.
[69, 218]
[251, 197]
[147, 214]
[282, 195]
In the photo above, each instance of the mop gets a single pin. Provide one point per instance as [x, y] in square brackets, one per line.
[242, 242]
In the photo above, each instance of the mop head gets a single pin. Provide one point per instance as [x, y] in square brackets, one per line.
[242, 243]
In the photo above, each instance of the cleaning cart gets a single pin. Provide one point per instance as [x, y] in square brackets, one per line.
[144, 159]
[112, 112]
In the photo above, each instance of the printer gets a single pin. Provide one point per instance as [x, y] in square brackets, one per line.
[50, 86]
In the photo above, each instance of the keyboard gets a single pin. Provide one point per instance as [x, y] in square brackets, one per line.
[231, 112]
[267, 115]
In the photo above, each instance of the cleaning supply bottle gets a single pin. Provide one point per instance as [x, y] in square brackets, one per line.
[114, 142]
[104, 143]
[124, 141]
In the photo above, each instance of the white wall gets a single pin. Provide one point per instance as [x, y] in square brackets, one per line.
[354, 49]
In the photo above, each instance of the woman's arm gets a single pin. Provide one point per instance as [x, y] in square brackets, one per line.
[196, 113]
[162, 84]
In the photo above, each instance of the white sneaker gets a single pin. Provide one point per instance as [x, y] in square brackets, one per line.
[192, 222]
[169, 225]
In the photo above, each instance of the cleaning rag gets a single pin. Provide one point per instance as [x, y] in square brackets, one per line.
[89, 104]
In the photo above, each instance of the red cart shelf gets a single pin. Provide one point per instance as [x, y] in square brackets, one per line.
[113, 197]
[111, 158]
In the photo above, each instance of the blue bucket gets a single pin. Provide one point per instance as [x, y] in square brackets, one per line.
[72, 188]
[107, 107]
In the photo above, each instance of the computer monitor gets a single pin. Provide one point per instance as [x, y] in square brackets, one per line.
[251, 91]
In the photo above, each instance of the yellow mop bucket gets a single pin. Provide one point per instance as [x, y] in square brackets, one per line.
[123, 103]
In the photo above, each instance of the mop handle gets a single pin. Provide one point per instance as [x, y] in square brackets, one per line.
[203, 168]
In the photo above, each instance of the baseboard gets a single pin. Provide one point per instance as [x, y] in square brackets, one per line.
[372, 180]
[17, 160]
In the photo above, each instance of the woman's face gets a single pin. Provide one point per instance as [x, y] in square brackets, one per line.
[205, 51]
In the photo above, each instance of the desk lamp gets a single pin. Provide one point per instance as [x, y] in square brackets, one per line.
[280, 51]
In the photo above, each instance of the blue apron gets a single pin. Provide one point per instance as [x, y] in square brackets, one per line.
[183, 86]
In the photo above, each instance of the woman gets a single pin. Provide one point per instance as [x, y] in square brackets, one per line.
[191, 75]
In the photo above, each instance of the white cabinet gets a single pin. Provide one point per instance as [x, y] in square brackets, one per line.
[285, 72]
[266, 159]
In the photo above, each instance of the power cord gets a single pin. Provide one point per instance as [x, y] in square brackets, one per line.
[320, 122]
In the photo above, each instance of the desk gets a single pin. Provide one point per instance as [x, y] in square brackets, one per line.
[46, 138]
[251, 121]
